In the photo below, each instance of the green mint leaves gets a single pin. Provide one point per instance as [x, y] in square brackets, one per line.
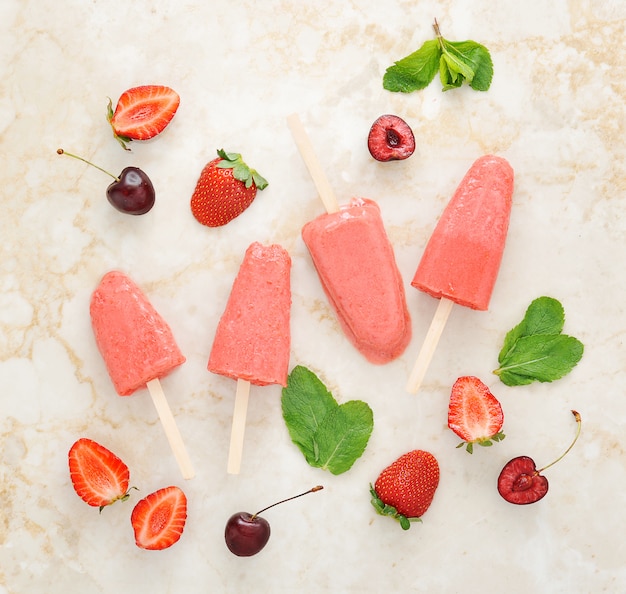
[536, 349]
[456, 61]
[331, 436]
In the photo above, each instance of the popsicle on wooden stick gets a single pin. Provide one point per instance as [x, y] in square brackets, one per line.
[356, 265]
[138, 348]
[253, 337]
[462, 258]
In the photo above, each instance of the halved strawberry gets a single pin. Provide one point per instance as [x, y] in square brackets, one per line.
[99, 477]
[159, 519]
[226, 187]
[405, 489]
[142, 112]
[474, 413]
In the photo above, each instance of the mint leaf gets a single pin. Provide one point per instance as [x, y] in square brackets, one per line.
[330, 436]
[465, 61]
[544, 315]
[456, 61]
[343, 435]
[306, 402]
[414, 72]
[536, 349]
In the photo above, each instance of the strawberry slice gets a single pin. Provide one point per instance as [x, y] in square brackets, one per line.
[159, 519]
[142, 112]
[474, 413]
[99, 477]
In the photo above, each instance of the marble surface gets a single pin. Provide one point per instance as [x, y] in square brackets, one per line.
[555, 111]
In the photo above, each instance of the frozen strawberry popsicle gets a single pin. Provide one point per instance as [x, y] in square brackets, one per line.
[138, 348]
[462, 258]
[356, 266]
[136, 343]
[253, 336]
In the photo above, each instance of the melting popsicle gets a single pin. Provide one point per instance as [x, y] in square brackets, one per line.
[138, 348]
[356, 265]
[253, 338]
[462, 258]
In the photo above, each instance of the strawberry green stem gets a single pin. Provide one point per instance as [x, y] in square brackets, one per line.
[579, 423]
[62, 152]
[318, 488]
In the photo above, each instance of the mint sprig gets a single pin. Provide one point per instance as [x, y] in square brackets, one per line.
[456, 61]
[329, 435]
[536, 349]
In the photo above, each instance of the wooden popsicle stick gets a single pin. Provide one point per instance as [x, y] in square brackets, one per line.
[171, 430]
[433, 335]
[239, 426]
[309, 157]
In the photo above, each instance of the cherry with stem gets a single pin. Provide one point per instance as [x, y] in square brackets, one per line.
[246, 534]
[131, 192]
[521, 483]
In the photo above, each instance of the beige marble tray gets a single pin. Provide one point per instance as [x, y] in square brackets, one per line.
[555, 111]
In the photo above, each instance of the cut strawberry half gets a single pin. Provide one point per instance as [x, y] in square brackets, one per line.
[159, 519]
[99, 477]
[474, 413]
[142, 112]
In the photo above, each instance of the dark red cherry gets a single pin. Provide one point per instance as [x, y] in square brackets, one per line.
[131, 192]
[521, 483]
[246, 534]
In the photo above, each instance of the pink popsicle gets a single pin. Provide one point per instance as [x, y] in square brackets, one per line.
[356, 266]
[136, 343]
[462, 258]
[138, 348]
[253, 337]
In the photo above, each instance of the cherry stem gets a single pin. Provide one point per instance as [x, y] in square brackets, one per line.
[571, 445]
[62, 152]
[318, 488]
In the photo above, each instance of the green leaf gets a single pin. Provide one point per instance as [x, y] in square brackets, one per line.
[416, 71]
[540, 357]
[330, 436]
[305, 404]
[456, 61]
[544, 315]
[469, 60]
[343, 436]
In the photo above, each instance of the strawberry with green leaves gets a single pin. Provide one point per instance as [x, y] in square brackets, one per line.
[474, 413]
[226, 187]
[99, 477]
[159, 519]
[142, 112]
[405, 489]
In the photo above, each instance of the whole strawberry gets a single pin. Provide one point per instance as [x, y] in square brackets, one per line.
[405, 489]
[226, 187]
